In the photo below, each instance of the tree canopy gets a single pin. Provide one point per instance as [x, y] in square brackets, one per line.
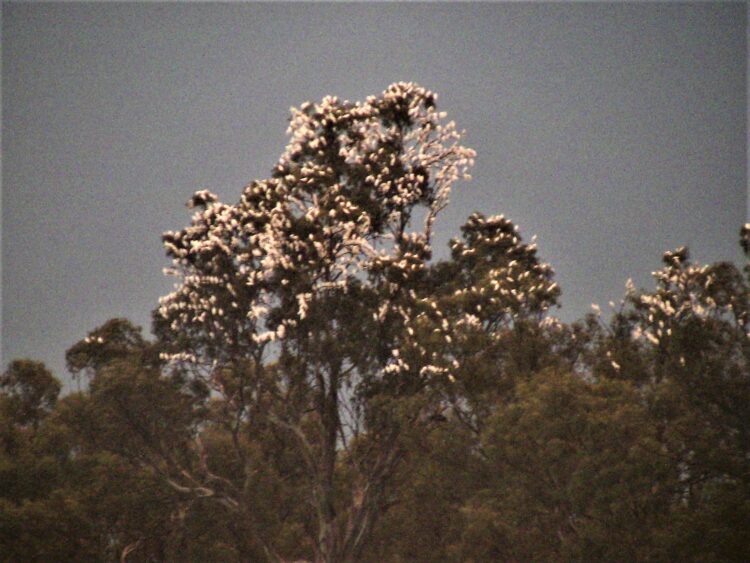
[318, 388]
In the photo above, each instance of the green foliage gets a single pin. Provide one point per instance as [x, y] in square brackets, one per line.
[577, 477]
[319, 390]
[624, 440]
[29, 392]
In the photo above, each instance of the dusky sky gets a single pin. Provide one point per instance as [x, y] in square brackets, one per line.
[613, 132]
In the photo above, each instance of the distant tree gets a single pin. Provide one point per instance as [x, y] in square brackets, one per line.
[117, 339]
[90, 479]
[685, 346]
[692, 331]
[29, 392]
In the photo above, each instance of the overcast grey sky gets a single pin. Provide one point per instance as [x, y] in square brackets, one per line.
[612, 131]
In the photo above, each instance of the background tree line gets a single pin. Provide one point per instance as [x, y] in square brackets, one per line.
[319, 388]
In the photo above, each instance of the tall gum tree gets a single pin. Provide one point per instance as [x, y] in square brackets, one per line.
[304, 296]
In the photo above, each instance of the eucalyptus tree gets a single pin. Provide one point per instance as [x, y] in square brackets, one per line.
[298, 306]
[29, 391]
[686, 345]
[496, 294]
